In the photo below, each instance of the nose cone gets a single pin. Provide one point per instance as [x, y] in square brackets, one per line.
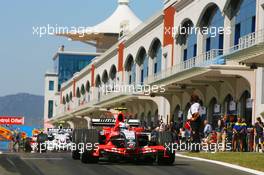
[131, 145]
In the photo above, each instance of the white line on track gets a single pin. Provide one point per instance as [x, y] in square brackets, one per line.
[248, 170]
[37, 158]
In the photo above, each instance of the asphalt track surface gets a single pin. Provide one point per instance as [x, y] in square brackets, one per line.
[62, 164]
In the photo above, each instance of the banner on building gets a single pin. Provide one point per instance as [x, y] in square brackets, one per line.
[203, 110]
[232, 106]
[11, 120]
[217, 108]
[249, 103]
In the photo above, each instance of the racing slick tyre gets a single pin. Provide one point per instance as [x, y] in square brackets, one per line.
[87, 157]
[76, 155]
[166, 160]
[91, 137]
[85, 136]
[76, 136]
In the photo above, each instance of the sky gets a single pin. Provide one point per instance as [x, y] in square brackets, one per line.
[24, 57]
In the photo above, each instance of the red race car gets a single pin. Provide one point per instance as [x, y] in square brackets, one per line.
[121, 139]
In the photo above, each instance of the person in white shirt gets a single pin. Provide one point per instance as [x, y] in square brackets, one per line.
[194, 114]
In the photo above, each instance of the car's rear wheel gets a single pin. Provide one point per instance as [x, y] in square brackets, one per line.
[161, 160]
[87, 157]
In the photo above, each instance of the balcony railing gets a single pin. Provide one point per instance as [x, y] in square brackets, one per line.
[248, 41]
[210, 57]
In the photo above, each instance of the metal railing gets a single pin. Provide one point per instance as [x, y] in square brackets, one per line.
[204, 59]
[248, 41]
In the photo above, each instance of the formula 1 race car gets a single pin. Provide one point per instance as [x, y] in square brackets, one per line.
[121, 139]
[59, 139]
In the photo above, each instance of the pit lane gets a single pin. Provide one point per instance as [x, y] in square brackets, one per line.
[62, 164]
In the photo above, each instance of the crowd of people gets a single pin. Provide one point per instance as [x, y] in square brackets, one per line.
[230, 130]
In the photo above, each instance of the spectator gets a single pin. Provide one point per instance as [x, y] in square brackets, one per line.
[187, 128]
[244, 135]
[194, 114]
[238, 134]
[258, 132]
[207, 128]
[17, 140]
[182, 135]
[154, 135]
[219, 130]
[162, 126]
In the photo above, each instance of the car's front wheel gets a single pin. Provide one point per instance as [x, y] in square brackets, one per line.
[76, 155]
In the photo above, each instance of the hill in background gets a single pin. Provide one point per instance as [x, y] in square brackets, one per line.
[22, 104]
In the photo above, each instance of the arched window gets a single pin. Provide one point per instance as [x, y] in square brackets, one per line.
[83, 90]
[142, 61]
[113, 72]
[212, 23]
[245, 18]
[67, 98]
[188, 40]
[64, 100]
[130, 69]
[70, 96]
[105, 77]
[88, 86]
[156, 54]
[78, 93]
[98, 81]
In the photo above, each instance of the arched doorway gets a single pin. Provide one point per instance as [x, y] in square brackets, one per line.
[229, 106]
[142, 119]
[156, 118]
[245, 107]
[149, 122]
[214, 112]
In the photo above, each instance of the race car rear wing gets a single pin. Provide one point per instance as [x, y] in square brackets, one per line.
[112, 121]
[57, 130]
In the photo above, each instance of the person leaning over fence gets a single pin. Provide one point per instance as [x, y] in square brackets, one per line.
[258, 133]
